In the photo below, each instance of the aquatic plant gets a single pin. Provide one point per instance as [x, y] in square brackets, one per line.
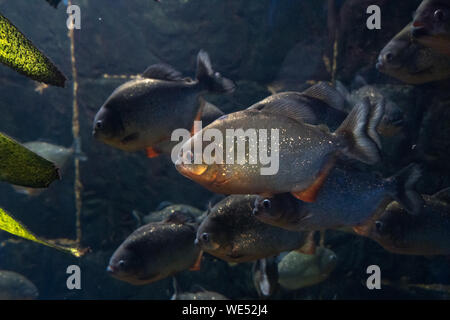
[19, 53]
[11, 225]
[20, 166]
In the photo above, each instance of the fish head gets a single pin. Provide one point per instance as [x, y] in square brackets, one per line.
[266, 210]
[393, 55]
[210, 234]
[126, 264]
[390, 226]
[192, 163]
[282, 210]
[432, 18]
[327, 260]
[107, 126]
[30, 292]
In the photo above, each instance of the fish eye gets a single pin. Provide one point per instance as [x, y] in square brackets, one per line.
[217, 74]
[379, 226]
[389, 57]
[99, 124]
[267, 204]
[439, 15]
[121, 263]
[205, 237]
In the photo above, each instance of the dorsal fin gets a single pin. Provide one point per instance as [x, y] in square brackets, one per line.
[287, 104]
[443, 195]
[179, 217]
[210, 113]
[327, 94]
[309, 247]
[163, 205]
[162, 71]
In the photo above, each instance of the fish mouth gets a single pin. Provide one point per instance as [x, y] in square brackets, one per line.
[419, 30]
[111, 270]
[380, 65]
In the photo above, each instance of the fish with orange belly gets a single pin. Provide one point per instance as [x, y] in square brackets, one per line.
[157, 250]
[231, 233]
[142, 113]
[304, 153]
[427, 233]
[347, 199]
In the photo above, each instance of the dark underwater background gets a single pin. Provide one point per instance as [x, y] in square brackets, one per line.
[258, 44]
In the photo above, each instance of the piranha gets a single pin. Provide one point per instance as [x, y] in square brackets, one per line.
[156, 251]
[143, 113]
[301, 155]
[431, 25]
[348, 198]
[297, 270]
[199, 294]
[411, 62]
[265, 276]
[424, 234]
[14, 286]
[166, 211]
[231, 233]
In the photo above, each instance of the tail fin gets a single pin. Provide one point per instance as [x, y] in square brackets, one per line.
[356, 134]
[404, 183]
[376, 114]
[206, 76]
[326, 93]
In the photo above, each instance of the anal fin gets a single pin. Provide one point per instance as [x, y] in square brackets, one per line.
[197, 265]
[309, 247]
[198, 116]
[152, 152]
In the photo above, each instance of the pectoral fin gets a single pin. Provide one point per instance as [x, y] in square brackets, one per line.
[309, 247]
[310, 194]
[198, 262]
[152, 152]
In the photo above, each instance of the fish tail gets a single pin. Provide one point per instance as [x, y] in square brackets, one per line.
[376, 114]
[326, 93]
[404, 188]
[358, 135]
[210, 79]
